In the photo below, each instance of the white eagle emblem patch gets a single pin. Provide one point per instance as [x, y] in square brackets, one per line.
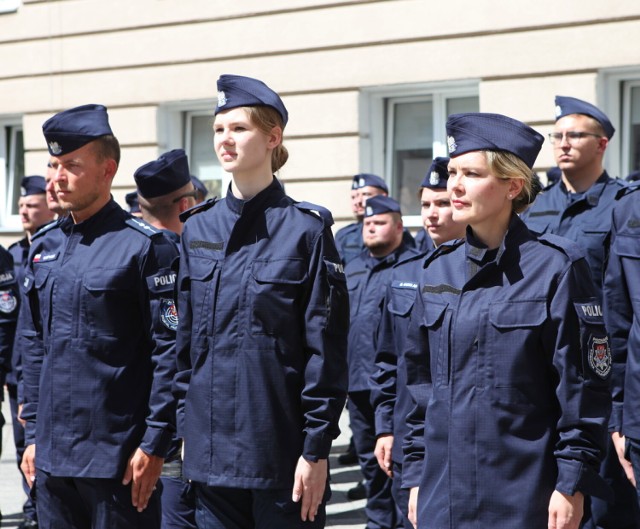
[434, 178]
[451, 143]
[599, 356]
[222, 98]
[54, 147]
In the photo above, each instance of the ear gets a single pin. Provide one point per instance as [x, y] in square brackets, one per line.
[602, 144]
[275, 137]
[515, 186]
[183, 204]
[110, 169]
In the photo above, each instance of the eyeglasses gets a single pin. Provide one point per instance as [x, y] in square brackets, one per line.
[193, 194]
[573, 137]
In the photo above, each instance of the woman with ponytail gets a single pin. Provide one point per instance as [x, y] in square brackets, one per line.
[263, 319]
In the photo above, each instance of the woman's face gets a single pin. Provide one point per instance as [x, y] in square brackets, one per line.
[477, 196]
[240, 146]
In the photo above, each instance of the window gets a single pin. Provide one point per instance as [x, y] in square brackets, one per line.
[190, 126]
[11, 169]
[407, 130]
[630, 127]
[9, 6]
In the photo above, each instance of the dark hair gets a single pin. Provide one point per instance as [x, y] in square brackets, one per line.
[266, 118]
[107, 147]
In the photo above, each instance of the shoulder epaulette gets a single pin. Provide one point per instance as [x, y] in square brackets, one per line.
[44, 229]
[567, 247]
[142, 226]
[627, 190]
[198, 208]
[443, 249]
[317, 211]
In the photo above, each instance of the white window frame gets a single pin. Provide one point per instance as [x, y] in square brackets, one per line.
[375, 103]
[9, 6]
[613, 97]
[174, 130]
[8, 222]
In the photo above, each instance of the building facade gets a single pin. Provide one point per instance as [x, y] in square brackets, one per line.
[368, 83]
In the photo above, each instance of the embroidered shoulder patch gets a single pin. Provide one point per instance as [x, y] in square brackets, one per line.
[169, 314]
[599, 356]
[8, 301]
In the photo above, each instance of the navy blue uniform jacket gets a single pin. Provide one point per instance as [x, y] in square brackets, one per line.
[508, 362]
[349, 242]
[19, 250]
[367, 279]
[9, 298]
[263, 313]
[100, 330]
[584, 218]
[622, 310]
[389, 396]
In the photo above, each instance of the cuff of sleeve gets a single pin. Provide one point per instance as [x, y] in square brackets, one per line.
[156, 441]
[411, 470]
[29, 434]
[384, 424]
[574, 476]
[615, 421]
[316, 447]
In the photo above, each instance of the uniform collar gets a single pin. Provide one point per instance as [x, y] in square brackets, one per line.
[591, 195]
[387, 260]
[272, 193]
[479, 253]
[67, 225]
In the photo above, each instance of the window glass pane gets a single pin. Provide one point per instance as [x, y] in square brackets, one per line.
[14, 166]
[412, 151]
[202, 158]
[457, 105]
[634, 133]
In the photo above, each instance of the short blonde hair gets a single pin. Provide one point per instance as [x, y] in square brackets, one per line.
[505, 165]
[266, 118]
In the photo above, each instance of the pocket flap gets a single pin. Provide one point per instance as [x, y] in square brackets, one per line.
[201, 268]
[103, 279]
[403, 295]
[284, 271]
[627, 246]
[513, 314]
[433, 313]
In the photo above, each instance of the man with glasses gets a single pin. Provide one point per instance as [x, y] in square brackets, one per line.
[579, 207]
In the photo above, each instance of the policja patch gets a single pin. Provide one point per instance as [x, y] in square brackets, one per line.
[8, 301]
[169, 314]
[599, 355]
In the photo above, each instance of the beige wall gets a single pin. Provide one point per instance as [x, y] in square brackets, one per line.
[138, 56]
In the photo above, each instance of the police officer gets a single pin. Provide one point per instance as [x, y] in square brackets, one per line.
[435, 208]
[263, 317]
[367, 275]
[50, 192]
[34, 214]
[389, 396]
[132, 202]
[201, 190]
[349, 239]
[621, 285]
[579, 208]
[507, 356]
[101, 355]
[165, 190]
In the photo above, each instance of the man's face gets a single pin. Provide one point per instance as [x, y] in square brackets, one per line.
[382, 233]
[52, 198]
[34, 212]
[80, 178]
[363, 194]
[355, 200]
[572, 156]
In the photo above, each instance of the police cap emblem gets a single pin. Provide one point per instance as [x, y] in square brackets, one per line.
[558, 110]
[54, 147]
[169, 314]
[222, 98]
[599, 356]
[434, 178]
[451, 144]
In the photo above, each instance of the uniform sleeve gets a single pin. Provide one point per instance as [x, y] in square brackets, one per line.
[326, 321]
[31, 344]
[416, 355]
[618, 316]
[383, 380]
[183, 336]
[8, 312]
[582, 364]
[161, 321]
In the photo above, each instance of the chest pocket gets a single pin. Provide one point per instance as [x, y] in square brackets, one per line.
[512, 345]
[202, 282]
[592, 240]
[275, 295]
[628, 248]
[36, 287]
[437, 321]
[109, 303]
[402, 299]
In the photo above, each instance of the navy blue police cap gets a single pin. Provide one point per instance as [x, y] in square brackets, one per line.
[238, 91]
[554, 175]
[70, 129]
[355, 182]
[381, 204]
[165, 175]
[132, 201]
[33, 185]
[478, 131]
[366, 179]
[438, 174]
[200, 187]
[566, 105]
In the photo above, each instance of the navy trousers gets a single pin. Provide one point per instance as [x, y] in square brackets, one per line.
[227, 508]
[178, 504]
[89, 503]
